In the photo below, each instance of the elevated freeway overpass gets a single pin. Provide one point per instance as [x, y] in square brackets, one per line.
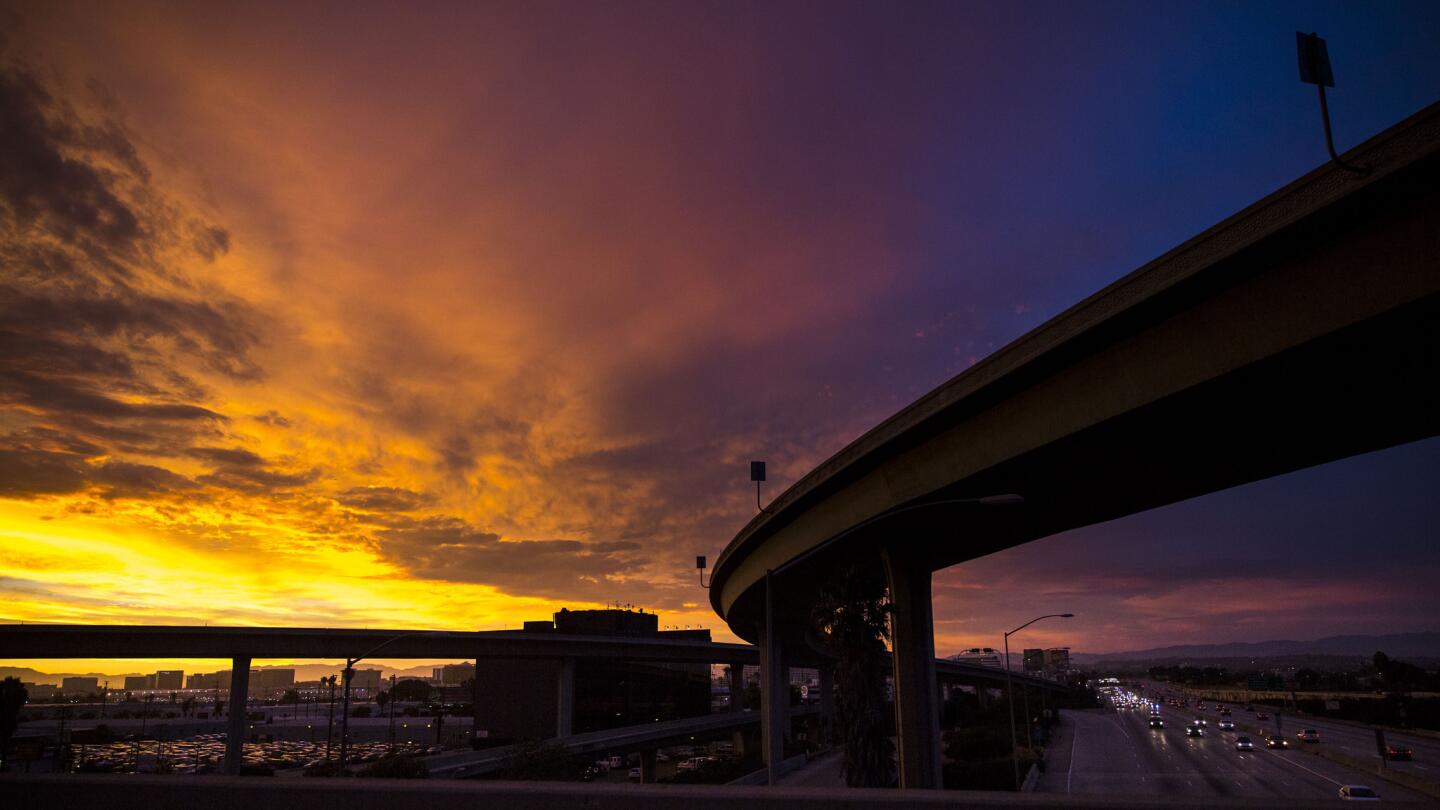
[242, 645]
[1301, 330]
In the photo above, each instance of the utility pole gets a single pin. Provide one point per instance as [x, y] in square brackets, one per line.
[391, 701]
[330, 723]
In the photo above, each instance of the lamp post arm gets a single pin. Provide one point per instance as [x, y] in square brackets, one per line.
[351, 662]
[1032, 621]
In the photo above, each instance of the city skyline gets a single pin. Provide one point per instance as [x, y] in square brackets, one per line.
[411, 325]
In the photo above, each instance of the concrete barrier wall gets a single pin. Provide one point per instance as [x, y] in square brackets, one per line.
[107, 792]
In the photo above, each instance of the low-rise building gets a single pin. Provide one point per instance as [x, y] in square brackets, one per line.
[79, 686]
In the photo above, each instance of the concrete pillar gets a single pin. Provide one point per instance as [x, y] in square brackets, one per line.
[647, 767]
[565, 699]
[827, 705]
[239, 722]
[774, 693]
[737, 739]
[737, 687]
[917, 710]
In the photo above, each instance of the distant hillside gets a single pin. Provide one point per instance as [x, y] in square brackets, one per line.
[1398, 645]
[303, 672]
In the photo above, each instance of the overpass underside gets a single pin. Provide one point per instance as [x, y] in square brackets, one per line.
[1301, 330]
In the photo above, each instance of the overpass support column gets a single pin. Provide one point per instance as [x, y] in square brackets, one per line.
[737, 687]
[827, 705]
[774, 692]
[239, 721]
[917, 710]
[647, 767]
[565, 699]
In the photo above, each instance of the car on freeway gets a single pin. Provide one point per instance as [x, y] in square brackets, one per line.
[1244, 744]
[1227, 725]
[1399, 753]
[1200, 721]
[1156, 722]
[1309, 735]
[1277, 742]
[1358, 793]
[1194, 731]
[1262, 716]
[1250, 709]
[1224, 712]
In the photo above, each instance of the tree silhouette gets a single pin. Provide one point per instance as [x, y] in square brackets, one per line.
[12, 697]
[852, 617]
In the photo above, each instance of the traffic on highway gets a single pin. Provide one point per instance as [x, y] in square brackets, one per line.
[1152, 742]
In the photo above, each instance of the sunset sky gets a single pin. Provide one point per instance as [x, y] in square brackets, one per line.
[447, 315]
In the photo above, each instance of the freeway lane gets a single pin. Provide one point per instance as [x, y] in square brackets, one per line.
[1288, 767]
[1353, 740]
[1117, 753]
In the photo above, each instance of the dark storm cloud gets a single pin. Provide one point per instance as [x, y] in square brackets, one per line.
[450, 549]
[273, 419]
[239, 469]
[121, 479]
[30, 473]
[97, 325]
[41, 186]
[384, 499]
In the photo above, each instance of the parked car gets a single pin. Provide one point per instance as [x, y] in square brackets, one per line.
[634, 775]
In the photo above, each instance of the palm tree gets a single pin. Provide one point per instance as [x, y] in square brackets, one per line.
[852, 617]
[12, 697]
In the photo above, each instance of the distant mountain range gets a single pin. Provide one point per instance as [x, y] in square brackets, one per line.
[1398, 645]
[303, 672]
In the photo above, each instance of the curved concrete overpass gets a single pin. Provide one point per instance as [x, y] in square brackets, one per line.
[1301, 330]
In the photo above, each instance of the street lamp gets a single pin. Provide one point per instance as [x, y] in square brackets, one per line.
[349, 674]
[1010, 694]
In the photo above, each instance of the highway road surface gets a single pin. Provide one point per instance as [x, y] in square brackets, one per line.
[1109, 752]
[1353, 740]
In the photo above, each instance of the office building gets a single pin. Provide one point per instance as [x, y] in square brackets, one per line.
[79, 686]
[1057, 659]
[139, 683]
[453, 674]
[984, 656]
[366, 679]
[518, 699]
[1034, 660]
[273, 679]
[169, 679]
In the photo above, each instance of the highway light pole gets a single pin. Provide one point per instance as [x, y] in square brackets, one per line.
[1010, 694]
[349, 674]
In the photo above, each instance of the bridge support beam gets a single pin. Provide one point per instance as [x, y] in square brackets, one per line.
[239, 719]
[565, 699]
[917, 710]
[737, 686]
[827, 705]
[774, 697]
[647, 766]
